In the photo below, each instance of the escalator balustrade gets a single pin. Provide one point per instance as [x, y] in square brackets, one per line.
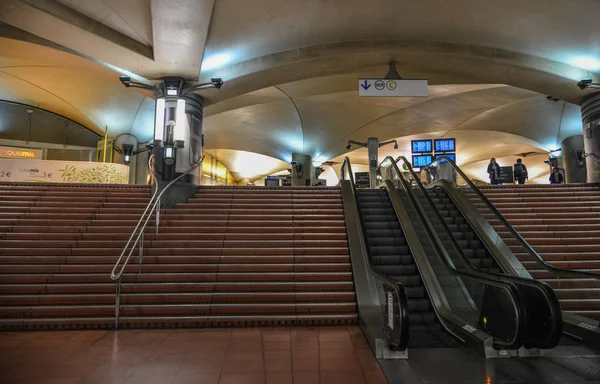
[391, 256]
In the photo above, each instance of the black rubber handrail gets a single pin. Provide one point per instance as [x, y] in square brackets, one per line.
[474, 275]
[538, 258]
[394, 285]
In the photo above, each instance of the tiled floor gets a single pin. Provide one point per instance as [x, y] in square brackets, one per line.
[204, 356]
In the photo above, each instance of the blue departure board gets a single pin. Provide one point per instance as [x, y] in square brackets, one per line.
[452, 157]
[421, 160]
[421, 146]
[445, 145]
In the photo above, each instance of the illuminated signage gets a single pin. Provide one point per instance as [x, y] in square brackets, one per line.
[421, 146]
[451, 156]
[421, 160]
[445, 145]
[20, 153]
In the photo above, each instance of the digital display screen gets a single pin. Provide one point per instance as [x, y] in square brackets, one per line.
[451, 156]
[445, 145]
[421, 146]
[421, 160]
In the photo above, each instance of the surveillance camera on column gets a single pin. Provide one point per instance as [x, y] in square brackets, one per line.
[583, 84]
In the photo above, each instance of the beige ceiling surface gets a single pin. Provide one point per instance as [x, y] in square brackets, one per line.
[291, 69]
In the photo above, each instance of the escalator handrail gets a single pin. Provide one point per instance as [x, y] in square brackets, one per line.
[443, 256]
[547, 291]
[532, 252]
[397, 286]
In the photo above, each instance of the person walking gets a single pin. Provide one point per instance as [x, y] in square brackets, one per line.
[520, 171]
[493, 171]
[556, 177]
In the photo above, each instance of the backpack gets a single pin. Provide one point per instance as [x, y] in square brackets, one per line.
[519, 169]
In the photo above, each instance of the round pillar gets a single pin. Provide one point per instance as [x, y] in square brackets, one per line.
[301, 169]
[590, 112]
[572, 161]
[191, 152]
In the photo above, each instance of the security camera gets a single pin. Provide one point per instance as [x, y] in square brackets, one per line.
[349, 146]
[217, 82]
[396, 146]
[583, 84]
[126, 80]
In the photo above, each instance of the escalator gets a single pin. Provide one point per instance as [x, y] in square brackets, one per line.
[474, 249]
[392, 257]
[487, 251]
[408, 283]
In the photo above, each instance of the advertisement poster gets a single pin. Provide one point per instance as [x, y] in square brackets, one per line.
[49, 171]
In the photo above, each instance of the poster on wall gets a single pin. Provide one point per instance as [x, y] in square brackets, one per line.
[49, 171]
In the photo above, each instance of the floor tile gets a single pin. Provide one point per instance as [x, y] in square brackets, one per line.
[277, 354]
[196, 379]
[242, 378]
[279, 378]
[305, 365]
[244, 366]
[348, 365]
[342, 377]
[278, 365]
[306, 377]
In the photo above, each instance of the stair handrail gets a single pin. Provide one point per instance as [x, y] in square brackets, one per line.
[444, 257]
[537, 257]
[400, 342]
[155, 204]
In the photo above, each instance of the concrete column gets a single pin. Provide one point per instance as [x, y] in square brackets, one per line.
[299, 178]
[373, 153]
[575, 169]
[590, 112]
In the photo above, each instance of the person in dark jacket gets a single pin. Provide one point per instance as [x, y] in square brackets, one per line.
[493, 171]
[520, 171]
[556, 177]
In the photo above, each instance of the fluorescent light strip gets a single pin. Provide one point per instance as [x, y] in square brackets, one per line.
[159, 123]
[180, 122]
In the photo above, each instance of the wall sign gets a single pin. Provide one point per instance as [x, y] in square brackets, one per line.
[48, 171]
[20, 153]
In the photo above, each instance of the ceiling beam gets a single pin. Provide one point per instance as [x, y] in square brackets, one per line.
[180, 30]
[90, 25]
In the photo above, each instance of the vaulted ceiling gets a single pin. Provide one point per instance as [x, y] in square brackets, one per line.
[290, 70]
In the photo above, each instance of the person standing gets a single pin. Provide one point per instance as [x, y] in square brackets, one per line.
[493, 171]
[556, 177]
[520, 171]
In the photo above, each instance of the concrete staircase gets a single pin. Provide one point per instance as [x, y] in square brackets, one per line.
[562, 223]
[230, 256]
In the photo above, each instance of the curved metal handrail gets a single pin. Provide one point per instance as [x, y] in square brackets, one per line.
[154, 202]
[398, 288]
[538, 258]
[444, 257]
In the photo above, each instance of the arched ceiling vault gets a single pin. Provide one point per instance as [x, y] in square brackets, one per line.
[291, 68]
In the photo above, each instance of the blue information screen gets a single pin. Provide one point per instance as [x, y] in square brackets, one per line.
[421, 146]
[452, 157]
[445, 145]
[422, 160]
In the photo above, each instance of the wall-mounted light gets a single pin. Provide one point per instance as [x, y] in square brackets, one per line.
[180, 124]
[159, 122]
[127, 153]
